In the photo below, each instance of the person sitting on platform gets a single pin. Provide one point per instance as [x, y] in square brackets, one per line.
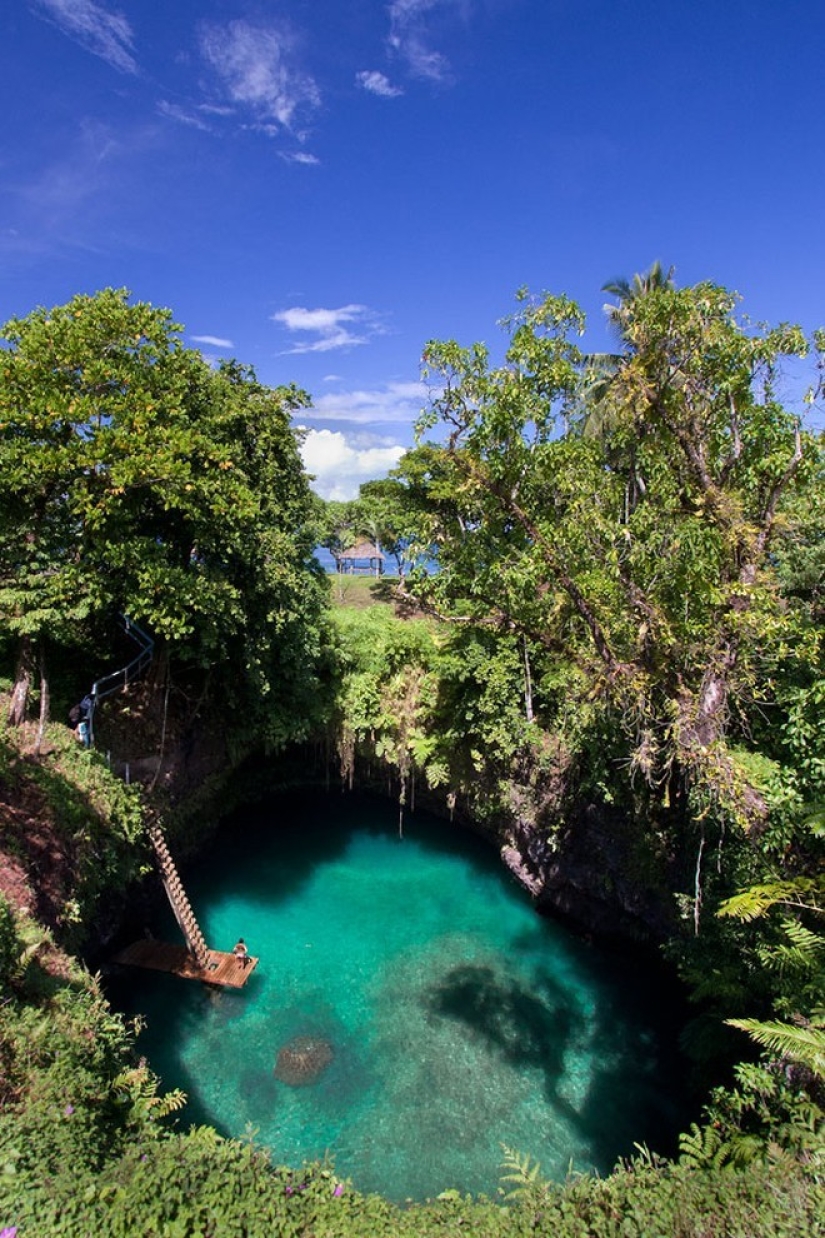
[241, 953]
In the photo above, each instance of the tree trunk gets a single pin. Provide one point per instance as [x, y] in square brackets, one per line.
[44, 698]
[711, 718]
[528, 685]
[702, 751]
[22, 683]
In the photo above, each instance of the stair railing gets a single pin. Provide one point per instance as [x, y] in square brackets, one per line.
[104, 687]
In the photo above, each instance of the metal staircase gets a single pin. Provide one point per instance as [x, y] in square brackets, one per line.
[195, 940]
[121, 678]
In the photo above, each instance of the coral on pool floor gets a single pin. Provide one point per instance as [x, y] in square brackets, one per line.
[303, 1060]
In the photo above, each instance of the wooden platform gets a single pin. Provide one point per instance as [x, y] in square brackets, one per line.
[223, 969]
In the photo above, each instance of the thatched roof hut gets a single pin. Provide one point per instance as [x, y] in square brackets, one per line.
[364, 559]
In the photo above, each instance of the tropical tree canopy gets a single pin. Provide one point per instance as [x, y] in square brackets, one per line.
[640, 562]
[138, 479]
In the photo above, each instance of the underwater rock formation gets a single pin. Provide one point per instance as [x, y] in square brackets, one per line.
[303, 1060]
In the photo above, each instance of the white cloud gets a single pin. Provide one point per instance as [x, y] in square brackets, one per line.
[183, 115]
[339, 468]
[215, 341]
[409, 37]
[216, 109]
[345, 327]
[104, 34]
[258, 69]
[300, 156]
[377, 84]
[393, 404]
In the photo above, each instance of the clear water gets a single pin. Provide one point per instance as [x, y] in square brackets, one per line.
[459, 1019]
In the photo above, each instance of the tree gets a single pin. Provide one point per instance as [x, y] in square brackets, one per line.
[92, 372]
[381, 513]
[378, 514]
[335, 525]
[590, 416]
[138, 479]
[628, 292]
[661, 610]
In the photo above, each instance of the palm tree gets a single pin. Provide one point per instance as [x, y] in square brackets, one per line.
[593, 416]
[601, 367]
[631, 291]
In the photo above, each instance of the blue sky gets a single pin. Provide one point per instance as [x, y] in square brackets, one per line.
[318, 187]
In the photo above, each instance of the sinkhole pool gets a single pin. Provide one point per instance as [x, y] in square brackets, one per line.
[447, 1017]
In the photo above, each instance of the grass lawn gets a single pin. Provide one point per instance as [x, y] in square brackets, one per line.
[360, 592]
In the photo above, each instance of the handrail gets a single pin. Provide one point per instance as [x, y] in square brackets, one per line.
[120, 679]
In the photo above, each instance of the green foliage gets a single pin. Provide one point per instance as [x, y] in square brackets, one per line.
[803, 1044]
[428, 701]
[137, 479]
[704, 1148]
[379, 515]
[67, 1103]
[196, 1185]
[563, 537]
[10, 945]
[791, 950]
[523, 1175]
[753, 903]
[82, 1151]
[94, 821]
[629, 570]
[769, 1114]
[385, 689]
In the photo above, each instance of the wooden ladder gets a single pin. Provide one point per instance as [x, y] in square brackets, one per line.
[185, 916]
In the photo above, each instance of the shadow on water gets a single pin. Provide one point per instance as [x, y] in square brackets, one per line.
[634, 1073]
[271, 849]
[526, 1029]
[640, 1092]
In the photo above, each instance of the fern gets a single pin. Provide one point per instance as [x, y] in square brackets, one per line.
[801, 956]
[141, 1087]
[804, 1044]
[750, 904]
[703, 1148]
[525, 1175]
[168, 1102]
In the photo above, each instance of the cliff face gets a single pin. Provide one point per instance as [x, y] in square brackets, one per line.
[594, 873]
[589, 865]
[36, 863]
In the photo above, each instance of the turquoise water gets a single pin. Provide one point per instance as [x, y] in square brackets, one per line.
[459, 1020]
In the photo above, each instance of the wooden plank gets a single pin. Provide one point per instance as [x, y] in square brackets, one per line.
[221, 968]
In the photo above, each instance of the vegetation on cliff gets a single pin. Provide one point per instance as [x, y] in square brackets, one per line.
[629, 572]
[627, 613]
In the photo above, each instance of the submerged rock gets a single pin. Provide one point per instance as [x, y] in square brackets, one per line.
[303, 1060]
